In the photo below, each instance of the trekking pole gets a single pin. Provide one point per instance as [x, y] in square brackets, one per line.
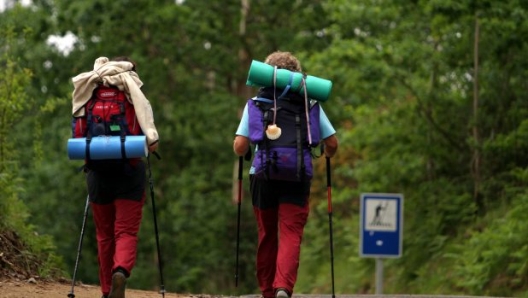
[240, 163]
[329, 196]
[160, 263]
[79, 248]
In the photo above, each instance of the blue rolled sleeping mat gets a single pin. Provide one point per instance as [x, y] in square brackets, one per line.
[107, 147]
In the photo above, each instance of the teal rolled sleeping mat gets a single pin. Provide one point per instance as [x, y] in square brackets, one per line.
[261, 75]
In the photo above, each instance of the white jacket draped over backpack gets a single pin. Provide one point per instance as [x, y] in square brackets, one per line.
[120, 75]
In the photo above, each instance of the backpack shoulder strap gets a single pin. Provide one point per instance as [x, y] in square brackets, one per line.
[313, 103]
[262, 99]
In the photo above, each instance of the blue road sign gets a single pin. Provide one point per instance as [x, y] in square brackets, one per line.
[381, 225]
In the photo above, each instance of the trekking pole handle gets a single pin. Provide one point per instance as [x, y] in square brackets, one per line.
[329, 184]
[239, 200]
[240, 167]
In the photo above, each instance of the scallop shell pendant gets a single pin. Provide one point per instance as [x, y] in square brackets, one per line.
[273, 132]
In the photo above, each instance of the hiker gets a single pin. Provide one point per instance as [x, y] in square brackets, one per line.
[274, 121]
[108, 101]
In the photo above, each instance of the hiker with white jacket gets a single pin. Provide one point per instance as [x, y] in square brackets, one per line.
[108, 101]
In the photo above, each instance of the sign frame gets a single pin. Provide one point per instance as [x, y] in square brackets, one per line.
[382, 236]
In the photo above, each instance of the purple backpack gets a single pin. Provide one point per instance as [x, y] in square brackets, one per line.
[288, 157]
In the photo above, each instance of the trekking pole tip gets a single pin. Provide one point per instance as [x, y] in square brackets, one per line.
[162, 292]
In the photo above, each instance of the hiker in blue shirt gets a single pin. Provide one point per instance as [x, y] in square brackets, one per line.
[284, 126]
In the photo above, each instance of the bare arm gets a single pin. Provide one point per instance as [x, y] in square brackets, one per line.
[330, 145]
[240, 145]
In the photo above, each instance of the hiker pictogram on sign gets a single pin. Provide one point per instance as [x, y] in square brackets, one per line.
[381, 215]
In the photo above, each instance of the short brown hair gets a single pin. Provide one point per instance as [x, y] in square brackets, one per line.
[125, 58]
[284, 60]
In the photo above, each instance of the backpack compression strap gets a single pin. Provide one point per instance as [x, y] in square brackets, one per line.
[123, 139]
[265, 140]
[286, 89]
[89, 129]
[300, 152]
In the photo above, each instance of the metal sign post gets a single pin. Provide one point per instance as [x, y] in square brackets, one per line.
[381, 225]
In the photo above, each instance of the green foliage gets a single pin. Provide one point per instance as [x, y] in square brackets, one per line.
[487, 262]
[13, 102]
[406, 101]
[38, 251]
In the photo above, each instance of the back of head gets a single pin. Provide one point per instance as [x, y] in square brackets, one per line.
[284, 60]
[125, 58]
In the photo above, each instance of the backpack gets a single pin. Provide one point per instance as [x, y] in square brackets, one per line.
[107, 113]
[289, 157]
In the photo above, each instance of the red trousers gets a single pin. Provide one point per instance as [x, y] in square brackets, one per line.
[280, 231]
[116, 225]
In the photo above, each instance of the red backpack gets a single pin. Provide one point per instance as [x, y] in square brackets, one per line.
[108, 113]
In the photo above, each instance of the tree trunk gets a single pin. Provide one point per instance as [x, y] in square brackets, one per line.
[242, 90]
[476, 159]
